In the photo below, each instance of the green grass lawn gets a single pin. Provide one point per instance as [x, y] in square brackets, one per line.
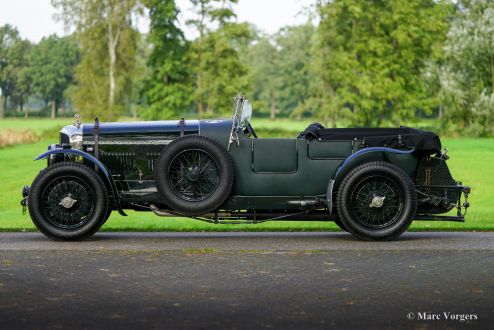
[38, 125]
[281, 123]
[471, 161]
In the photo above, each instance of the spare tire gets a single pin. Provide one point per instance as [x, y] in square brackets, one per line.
[194, 175]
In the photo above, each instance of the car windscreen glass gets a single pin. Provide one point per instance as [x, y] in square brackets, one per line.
[246, 113]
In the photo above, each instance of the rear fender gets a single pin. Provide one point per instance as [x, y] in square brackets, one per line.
[405, 159]
[106, 174]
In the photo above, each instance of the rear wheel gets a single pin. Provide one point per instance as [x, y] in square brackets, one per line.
[68, 201]
[376, 201]
[340, 224]
[194, 175]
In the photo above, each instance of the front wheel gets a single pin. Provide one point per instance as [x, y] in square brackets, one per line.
[376, 201]
[68, 202]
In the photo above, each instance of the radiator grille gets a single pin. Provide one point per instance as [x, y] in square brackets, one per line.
[118, 161]
[152, 159]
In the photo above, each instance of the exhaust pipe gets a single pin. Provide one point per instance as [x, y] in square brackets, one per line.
[317, 215]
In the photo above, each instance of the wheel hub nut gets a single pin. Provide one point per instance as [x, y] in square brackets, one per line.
[377, 202]
[67, 202]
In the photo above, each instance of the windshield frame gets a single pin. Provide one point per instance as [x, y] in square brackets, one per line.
[239, 103]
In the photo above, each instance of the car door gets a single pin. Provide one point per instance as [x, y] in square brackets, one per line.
[274, 156]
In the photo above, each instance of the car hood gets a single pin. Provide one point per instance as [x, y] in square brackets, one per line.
[143, 127]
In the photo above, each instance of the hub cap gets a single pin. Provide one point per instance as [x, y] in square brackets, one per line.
[376, 202]
[193, 175]
[67, 202]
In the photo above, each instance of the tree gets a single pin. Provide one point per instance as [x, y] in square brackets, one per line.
[294, 59]
[280, 73]
[18, 64]
[262, 59]
[168, 90]
[52, 68]
[373, 54]
[322, 102]
[108, 42]
[216, 64]
[465, 75]
[8, 36]
[14, 53]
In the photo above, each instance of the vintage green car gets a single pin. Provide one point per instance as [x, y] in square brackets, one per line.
[373, 182]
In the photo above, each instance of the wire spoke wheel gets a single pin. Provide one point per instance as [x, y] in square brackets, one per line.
[194, 175]
[67, 202]
[376, 201]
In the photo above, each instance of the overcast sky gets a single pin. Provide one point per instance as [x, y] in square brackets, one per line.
[34, 18]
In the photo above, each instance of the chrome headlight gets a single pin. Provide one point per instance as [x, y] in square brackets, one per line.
[72, 135]
[76, 141]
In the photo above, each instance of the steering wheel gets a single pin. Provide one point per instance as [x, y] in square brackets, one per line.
[250, 130]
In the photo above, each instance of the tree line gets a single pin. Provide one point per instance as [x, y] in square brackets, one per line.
[364, 63]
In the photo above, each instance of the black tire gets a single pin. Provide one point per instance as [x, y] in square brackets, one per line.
[340, 224]
[194, 175]
[77, 222]
[107, 216]
[364, 213]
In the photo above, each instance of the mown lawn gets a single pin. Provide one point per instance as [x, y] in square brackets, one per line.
[471, 161]
[38, 125]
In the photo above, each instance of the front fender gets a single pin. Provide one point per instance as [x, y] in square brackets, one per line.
[96, 162]
[402, 158]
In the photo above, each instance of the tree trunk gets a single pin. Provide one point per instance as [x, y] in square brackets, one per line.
[2, 103]
[200, 108]
[492, 73]
[62, 107]
[112, 46]
[26, 113]
[53, 108]
[14, 103]
[134, 112]
[200, 104]
[111, 96]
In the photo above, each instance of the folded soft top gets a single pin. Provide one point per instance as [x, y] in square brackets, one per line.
[403, 137]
